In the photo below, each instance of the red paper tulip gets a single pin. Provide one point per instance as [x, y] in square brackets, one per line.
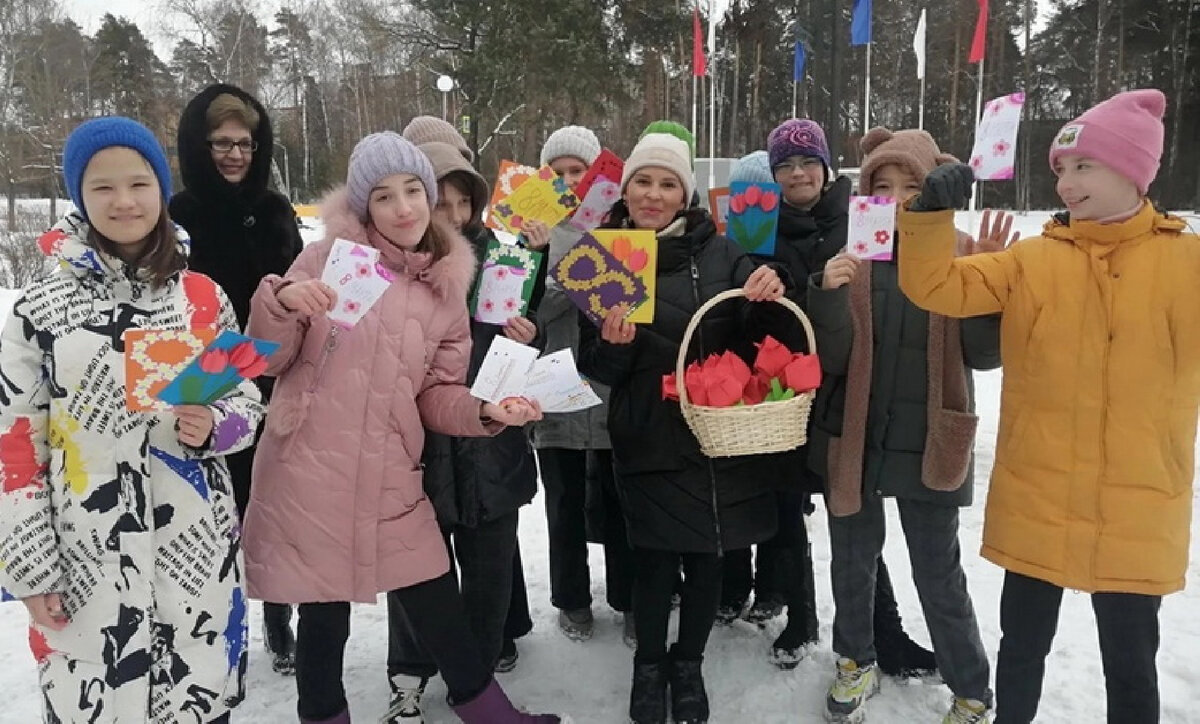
[756, 389]
[670, 389]
[243, 355]
[737, 203]
[694, 379]
[769, 201]
[637, 261]
[254, 369]
[772, 357]
[752, 195]
[214, 361]
[803, 373]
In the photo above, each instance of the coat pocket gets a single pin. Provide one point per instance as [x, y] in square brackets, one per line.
[947, 458]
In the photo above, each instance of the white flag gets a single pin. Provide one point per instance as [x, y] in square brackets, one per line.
[919, 45]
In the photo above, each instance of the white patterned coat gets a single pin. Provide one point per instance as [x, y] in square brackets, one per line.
[108, 508]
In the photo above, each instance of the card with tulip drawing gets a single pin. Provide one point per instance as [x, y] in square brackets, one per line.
[505, 284]
[510, 176]
[596, 281]
[872, 233]
[637, 249]
[544, 197]
[224, 363]
[754, 216]
[154, 357]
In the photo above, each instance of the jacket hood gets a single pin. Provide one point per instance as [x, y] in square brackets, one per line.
[66, 245]
[196, 167]
[451, 276]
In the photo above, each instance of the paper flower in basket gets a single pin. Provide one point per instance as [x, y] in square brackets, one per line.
[772, 357]
[724, 377]
[803, 373]
[756, 389]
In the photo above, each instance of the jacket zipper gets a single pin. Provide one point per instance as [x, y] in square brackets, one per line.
[330, 344]
[712, 471]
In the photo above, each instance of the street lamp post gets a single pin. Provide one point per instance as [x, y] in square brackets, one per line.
[445, 84]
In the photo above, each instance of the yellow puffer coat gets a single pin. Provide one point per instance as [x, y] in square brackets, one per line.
[1100, 337]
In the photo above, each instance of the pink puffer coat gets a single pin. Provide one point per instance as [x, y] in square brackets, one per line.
[337, 511]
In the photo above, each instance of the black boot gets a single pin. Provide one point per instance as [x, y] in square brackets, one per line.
[281, 644]
[689, 700]
[898, 655]
[648, 695]
[800, 635]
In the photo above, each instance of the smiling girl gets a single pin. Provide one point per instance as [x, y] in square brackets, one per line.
[337, 510]
[118, 528]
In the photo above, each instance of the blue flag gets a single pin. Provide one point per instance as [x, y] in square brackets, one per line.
[798, 63]
[860, 23]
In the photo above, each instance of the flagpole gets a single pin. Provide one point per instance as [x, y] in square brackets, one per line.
[795, 113]
[978, 118]
[867, 94]
[712, 96]
[924, 70]
[695, 90]
[921, 108]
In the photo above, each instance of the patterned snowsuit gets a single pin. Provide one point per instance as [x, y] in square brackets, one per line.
[105, 506]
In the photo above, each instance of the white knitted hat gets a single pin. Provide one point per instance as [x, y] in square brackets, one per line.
[575, 141]
[662, 150]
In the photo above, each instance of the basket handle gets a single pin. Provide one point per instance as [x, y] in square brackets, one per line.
[791, 306]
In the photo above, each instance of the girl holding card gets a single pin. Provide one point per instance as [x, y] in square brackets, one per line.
[118, 528]
[681, 508]
[337, 512]
[241, 231]
[477, 484]
[894, 418]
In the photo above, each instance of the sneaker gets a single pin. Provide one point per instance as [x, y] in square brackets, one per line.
[508, 657]
[405, 707]
[577, 623]
[629, 631]
[851, 689]
[968, 711]
[763, 611]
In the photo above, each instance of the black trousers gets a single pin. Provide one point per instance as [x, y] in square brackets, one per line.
[656, 579]
[581, 486]
[436, 612]
[1128, 628]
[484, 559]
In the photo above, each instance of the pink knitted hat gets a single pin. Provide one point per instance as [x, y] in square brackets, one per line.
[1124, 132]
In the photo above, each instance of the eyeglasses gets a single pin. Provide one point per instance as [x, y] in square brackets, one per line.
[226, 145]
[803, 164]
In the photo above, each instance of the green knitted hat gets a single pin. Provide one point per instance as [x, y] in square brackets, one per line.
[677, 130]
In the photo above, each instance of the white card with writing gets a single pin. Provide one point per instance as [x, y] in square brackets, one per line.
[555, 383]
[994, 155]
[356, 276]
[872, 233]
[504, 369]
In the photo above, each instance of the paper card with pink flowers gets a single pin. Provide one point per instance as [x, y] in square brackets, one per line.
[510, 176]
[595, 206]
[607, 165]
[155, 357]
[872, 228]
[223, 364]
[355, 274]
[637, 249]
[754, 216]
[994, 155]
[544, 197]
[505, 284]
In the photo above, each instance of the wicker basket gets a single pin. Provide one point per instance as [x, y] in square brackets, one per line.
[767, 427]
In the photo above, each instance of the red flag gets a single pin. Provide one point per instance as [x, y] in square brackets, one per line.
[979, 44]
[699, 62]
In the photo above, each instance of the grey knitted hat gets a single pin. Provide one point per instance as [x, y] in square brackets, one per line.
[378, 156]
[752, 168]
[425, 129]
[574, 141]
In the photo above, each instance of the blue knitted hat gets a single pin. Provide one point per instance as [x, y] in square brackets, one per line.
[752, 168]
[93, 136]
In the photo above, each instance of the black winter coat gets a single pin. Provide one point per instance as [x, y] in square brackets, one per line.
[674, 498]
[240, 233]
[473, 480]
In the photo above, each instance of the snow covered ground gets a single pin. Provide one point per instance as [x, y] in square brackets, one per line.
[590, 681]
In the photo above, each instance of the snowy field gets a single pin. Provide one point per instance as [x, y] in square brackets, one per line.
[590, 681]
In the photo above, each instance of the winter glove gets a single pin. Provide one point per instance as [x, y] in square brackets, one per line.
[946, 187]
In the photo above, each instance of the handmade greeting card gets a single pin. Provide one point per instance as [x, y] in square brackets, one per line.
[596, 281]
[718, 206]
[596, 205]
[512, 370]
[544, 197]
[511, 175]
[754, 216]
[225, 362]
[994, 155]
[155, 357]
[506, 281]
[637, 250]
[872, 227]
[607, 165]
[355, 274]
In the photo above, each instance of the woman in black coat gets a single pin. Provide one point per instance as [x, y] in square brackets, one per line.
[241, 231]
[681, 508]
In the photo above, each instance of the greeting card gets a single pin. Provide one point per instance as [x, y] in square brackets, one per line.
[872, 227]
[506, 281]
[637, 250]
[596, 281]
[224, 363]
[754, 216]
[155, 357]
